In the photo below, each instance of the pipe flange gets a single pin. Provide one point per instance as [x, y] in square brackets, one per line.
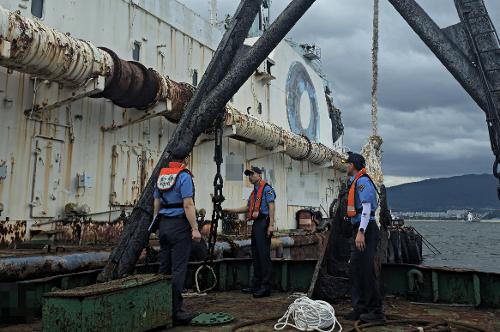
[112, 83]
[309, 148]
[151, 89]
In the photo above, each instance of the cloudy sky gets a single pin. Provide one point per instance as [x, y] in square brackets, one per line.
[430, 126]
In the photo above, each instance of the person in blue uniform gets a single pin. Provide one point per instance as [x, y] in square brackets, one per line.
[175, 208]
[261, 209]
[361, 206]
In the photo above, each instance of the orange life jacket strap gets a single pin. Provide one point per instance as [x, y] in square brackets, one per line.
[255, 202]
[351, 208]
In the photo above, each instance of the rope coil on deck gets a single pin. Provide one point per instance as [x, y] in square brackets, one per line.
[305, 314]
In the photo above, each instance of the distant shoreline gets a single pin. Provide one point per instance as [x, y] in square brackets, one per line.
[452, 220]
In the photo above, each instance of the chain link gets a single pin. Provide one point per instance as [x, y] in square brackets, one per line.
[217, 213]
[217, 197]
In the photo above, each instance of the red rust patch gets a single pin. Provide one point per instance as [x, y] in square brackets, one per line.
[12, 232]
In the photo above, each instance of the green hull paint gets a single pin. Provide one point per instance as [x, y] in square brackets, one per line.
[442, 285]
[22, 300]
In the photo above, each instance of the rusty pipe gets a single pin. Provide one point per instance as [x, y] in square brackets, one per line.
[131, 84]
[271, 136]
[31, 47]
[30, 267]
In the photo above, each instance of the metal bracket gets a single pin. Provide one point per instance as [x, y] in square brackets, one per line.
[317, 167]
[156, 111]
[266, 153]
[51, 95]
[228, 131]
[4, 49]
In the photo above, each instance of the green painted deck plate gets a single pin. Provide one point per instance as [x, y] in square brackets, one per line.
[212, 318]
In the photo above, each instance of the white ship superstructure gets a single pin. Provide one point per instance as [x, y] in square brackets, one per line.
[92, 155]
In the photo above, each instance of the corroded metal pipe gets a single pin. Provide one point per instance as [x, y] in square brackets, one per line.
[132, 85]
[30, 267]
[270, 136]
[31, 47]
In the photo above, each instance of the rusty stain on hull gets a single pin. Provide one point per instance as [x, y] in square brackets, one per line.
[12, 232]
[88, 232]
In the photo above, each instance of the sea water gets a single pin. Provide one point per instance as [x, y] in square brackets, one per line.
[462, 244]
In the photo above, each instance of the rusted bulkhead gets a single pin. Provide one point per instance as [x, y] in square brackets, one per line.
[100, 154]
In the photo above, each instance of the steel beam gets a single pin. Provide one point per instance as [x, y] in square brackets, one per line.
[450, 55]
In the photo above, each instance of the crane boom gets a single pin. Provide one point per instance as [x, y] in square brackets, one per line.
[470, 50]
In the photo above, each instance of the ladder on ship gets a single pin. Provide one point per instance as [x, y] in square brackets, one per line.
[486, 50]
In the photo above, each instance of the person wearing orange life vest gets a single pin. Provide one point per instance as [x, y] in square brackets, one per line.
[175, 209]
[261, 209]
[361, 206]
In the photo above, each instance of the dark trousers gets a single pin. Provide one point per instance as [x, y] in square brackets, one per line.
[261, 253]
[365, 295]
[175, 247]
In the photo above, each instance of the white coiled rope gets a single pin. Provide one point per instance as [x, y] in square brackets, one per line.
[305, 314]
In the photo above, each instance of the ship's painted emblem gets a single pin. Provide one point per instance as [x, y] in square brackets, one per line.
[166, 181]
[299, 82]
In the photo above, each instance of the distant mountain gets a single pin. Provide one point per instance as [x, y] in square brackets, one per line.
[472, 191]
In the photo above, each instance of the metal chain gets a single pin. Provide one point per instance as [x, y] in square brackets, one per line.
[217, 197]
[217, 213]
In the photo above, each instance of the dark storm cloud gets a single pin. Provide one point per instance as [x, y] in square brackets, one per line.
[430, 126]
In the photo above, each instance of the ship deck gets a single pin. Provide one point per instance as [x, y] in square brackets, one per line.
[261, 314]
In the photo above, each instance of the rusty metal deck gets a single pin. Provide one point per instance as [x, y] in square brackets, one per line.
[246, 310]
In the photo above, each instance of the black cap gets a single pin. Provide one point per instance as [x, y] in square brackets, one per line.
[253, 169]
[356, 159]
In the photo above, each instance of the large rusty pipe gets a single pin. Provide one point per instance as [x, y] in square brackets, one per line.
[132, 85]
[31, 47]
[271, 136]
[30, 267]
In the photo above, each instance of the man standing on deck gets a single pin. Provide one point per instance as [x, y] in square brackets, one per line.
[260, 208]
[174, 205]
[361, 206]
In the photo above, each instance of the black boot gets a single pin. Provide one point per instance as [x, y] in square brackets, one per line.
[249, 290]
[262, 292]
[372, 317]
[183, 317]
[353, 315]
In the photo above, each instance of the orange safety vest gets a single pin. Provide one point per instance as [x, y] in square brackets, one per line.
[168, 175]
[255, 202]
[351, 208]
